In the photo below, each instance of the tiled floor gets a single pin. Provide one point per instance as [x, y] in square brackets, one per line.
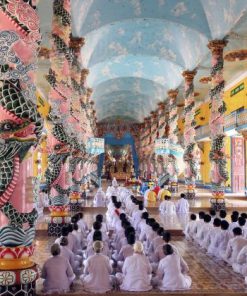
[208, 275]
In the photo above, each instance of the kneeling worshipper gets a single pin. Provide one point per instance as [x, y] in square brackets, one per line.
[234, 246]
[182, 205]
[99, 198]
[136, 271]
[171, 274]
[112, 190]
[67, 253]
[97, 272]
[57, 272]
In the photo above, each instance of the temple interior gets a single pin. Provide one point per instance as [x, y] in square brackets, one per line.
[117, 108]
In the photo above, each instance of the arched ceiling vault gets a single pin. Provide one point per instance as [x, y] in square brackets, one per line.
[136, 50]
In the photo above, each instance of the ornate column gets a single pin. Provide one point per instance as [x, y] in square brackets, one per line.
[161, 123]
[219, 174]
[60, 95]
[190, 152]
[172, 169]
[20, 129]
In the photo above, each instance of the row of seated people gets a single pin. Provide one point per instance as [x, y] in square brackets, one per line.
[221, 239]
[130, 251]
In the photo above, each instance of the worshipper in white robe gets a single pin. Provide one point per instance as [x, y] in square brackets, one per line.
[241, 224]
[167, 207]
[97, 236]
[137, 215]
[220, 241]
[157, 241]
[182, 205]
[171, 273]
[159, 253]
[97, 272]
[208, 231]
[82, 224]
[97, 226]
[112, 190]
[79, 236]
[142, 223]
[57, 272]
[136, 271]
[64, 233]
[99, 198]
[67, 253]
[126, 250]
[234, 222]
[222, 214]
[203, 230]
[146, 230]
[198, 224]
[190, 228]
[209, 243]
[234, 246]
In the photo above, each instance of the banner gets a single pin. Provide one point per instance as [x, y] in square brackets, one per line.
[163, 147]
[95, 146]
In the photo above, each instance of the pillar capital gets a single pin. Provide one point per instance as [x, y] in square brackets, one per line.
[216, 46]
[173, 93]
[161, 106]
[189, 75]
[84, 73]
[76, 43]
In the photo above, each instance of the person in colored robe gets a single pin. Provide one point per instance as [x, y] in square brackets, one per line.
[163, 192]
[57, 272]
[171, 273]
[97, 272]
[136, 271]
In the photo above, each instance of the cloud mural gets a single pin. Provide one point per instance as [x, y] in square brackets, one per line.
[137, 49]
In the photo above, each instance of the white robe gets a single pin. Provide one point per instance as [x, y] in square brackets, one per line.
[241, 264]
[219, 243]
[182, 206]
[167, 207]
[190, 230]
[97, 277]
[99, 199]
[136, 274]
[233, 249]
[57, 274]
[170, 274]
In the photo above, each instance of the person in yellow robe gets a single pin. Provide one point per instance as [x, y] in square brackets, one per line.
[151, 196]
[163, 192]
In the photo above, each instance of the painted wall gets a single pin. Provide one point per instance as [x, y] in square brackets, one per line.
[236, 97]
[205, 164]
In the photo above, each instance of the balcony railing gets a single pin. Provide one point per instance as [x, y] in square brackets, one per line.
[236, 120]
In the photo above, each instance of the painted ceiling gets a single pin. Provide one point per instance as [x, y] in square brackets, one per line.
[136, 50]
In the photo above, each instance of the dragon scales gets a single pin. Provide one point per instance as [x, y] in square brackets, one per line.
[20, 129]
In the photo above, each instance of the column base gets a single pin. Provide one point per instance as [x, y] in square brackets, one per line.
[190, 195]
[218, 204]
[19, 290]
[75, 207]
[55, 229]
[18, 282]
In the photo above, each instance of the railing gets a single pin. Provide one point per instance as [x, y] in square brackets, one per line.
[236, 120]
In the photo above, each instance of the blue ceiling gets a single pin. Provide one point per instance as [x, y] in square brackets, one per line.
[136, 49]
